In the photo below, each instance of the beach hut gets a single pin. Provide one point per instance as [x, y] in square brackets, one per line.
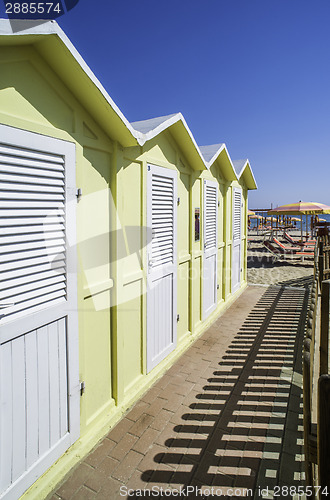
[110, 254]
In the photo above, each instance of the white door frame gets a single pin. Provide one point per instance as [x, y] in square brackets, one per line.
[22, 324]
[155, 272]
[236, 242]
[210, 253]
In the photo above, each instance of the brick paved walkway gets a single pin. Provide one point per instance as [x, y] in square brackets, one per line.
[226, 415]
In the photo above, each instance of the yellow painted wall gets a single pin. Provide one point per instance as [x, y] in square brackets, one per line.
[111, 217]
[131, 315]
[34, 99]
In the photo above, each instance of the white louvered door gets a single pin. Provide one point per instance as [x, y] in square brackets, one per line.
[236, 240]
[210, 247]
[162, 264]
[39, 377]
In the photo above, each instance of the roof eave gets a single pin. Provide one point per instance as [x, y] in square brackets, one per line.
[247, 175]
[179, 129]
[55, 47]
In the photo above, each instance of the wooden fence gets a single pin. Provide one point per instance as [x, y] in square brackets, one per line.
[324, 257]
[316, 379]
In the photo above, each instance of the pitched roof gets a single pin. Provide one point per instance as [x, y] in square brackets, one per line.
[245, 171]
[54, 46]
[212, 151]
[146, 126]
[177, 125]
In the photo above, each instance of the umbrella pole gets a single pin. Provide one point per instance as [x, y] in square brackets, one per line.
[301, 227]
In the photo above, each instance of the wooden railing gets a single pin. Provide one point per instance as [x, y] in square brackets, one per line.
[324, 257]
[316, 379]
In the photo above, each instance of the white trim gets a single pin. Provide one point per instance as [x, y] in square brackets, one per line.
[237, 285]
[214, 251]
[162, 271]
[22, 325]
[52, 28]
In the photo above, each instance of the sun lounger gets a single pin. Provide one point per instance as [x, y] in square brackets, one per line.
[279, 251]
[292, 249]
[289, 239]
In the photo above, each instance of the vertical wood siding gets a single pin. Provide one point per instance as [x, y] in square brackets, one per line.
[33, 398]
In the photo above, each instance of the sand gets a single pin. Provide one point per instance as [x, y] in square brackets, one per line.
[264, 270]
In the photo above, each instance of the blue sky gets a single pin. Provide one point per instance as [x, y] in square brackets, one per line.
[254, 74]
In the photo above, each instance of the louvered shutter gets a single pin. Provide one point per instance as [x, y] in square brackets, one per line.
[162, 251]
[237, 215]
[32, 230]
[210, 230]
[162, 264]
[210, 222]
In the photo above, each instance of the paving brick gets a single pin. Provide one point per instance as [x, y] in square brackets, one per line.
[146, 440]
[155, 407]
[101, 451]
[152, 394]
[110, 490]
[108, 465]
[96, 479]
[138, 409]
[84, 494]
[136, 482]
[166, 434]
[161, 420]
[148, 462]
[74, 482]
[213, 418]
[173, 403]
[141, 424]
[123, 447]
[120, 429]
[127, 466]
[177, 417]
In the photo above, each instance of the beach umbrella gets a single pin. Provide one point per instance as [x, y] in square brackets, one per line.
[250, 212]
[302, 208]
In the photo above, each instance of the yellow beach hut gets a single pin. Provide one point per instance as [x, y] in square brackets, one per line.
[106, 232]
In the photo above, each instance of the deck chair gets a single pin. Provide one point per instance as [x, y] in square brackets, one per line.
[275, 251]
[291, 249]
[279, 251]
[289, 239]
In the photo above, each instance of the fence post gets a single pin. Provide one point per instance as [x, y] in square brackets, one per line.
[323, 432]
[307, 416]
[321, 262]
[324, 334]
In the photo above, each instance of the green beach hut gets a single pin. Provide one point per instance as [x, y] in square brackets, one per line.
[115, 240]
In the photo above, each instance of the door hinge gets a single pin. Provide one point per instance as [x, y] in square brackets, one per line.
[178, 201]
[78, 194]
[178, 317]
[82, 387]
[218, 286]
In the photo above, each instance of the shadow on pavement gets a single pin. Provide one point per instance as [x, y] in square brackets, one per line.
[244, 428]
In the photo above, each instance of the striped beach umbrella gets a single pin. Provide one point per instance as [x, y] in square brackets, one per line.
[302, 208]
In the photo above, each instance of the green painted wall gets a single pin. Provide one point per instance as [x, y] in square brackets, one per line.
[33, 98]
[111, 217]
